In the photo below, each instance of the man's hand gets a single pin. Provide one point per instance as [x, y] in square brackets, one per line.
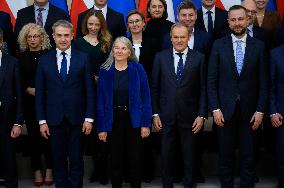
[145, 132]
[157, 123]
[256, 120]
[44, 130]
[276, 120]
[30, 91]
[218, 118]
[103, 136]
[87, 127]
[16, 131]
[197, 125]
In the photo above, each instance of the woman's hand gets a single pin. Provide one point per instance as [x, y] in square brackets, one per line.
[145, 132]
[103, 136]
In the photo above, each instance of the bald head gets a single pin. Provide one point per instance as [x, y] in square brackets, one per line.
[251, 10]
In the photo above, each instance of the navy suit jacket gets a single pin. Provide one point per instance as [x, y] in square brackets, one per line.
[6, 26]
[11, 97]
[186, 98]
[202, 41]
[225, 85]
[73, 99]
[27, 15]
[220, 23]
[139, 98]
[277, 80]
[114, 19]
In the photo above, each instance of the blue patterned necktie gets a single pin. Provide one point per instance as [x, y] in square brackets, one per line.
[63, 68]
[39, 16]
[179, 73]
[239, 56]
[210, 22]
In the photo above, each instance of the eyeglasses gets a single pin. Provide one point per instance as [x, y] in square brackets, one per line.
[30, 37]
[134, 22]
[251, 11]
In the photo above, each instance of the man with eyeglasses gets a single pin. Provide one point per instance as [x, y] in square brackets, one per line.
[114, 19]
[42, 13]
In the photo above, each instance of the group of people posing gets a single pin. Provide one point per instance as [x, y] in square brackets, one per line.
[114, 82]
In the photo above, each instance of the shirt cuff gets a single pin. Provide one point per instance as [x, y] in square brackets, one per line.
[155, 115]
[217, 110]
[41, 122]
[90, 120]
[273, 114]
[202, 117]
[261, 113]
[18, 125]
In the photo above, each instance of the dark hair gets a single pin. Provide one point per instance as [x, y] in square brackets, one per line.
[186, 5]
[237, 7]
[165, 14]
[104, 36]
[135, 11]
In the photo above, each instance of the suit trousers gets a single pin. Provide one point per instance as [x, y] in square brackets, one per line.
[171, 134]
[66, 142]
[280, 152]
[126, 146]
[236, 127]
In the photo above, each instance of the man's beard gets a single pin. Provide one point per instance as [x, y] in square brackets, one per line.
[243, 31]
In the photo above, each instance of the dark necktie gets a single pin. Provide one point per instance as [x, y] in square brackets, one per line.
[179, 73]
[210, 22]
[63, 68]
[39, 16]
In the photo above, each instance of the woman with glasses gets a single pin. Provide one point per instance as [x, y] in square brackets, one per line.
[123, 111]
[34, 42]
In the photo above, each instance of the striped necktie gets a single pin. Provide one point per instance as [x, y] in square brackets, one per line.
[39, 16]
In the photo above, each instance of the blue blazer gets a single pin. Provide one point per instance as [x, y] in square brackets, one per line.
[225, 85]
[277, 80]
[73, 99]
[139, 98]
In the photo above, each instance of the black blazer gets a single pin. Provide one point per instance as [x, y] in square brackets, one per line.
[225, 85]
[27, 15]
[6, 26]
[220, 22]
[114, 19]
[11, 108]
[186, 98]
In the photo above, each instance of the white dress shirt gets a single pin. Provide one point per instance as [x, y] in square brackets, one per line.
[244, 40]
[176, 57]
[250, 30]
[191, 40]
[43, 12]
[136, 48]
[205, 16]
[104, 10]
[59, 58]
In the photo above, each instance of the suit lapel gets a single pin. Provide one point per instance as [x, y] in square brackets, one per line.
[248, 51]
[231, 56]
[3, 68]
[187, 64]
[71, 67]
[49, 17]
[31, 16]
[200, 16]
[196, 39]
[171, 66]
[54, 66]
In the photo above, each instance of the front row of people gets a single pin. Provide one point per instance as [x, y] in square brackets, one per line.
[235, 88]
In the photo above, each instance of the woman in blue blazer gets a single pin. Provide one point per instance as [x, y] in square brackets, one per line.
[123, 111]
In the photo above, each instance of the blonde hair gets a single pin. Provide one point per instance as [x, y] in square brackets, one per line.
[108, 63]
[22, 38]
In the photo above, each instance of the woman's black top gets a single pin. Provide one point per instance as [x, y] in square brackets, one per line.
[121, 93]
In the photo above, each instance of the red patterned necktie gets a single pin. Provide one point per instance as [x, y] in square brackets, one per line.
[39, 16]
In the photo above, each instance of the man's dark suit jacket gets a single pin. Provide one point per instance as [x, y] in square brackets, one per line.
[220, 23]
[279, 39]
[6, 26]
[202, 41]
[11, 97]
[186, 98]
[277, 80]
[27, 15]
[73, 99]
[225, 85]
[114, 19]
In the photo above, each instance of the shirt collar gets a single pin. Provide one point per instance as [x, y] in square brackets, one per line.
[184, 52]
[243, 39]
[46, 7]
[68, 52]
[204, 10]
[250, 27]
[104, 9]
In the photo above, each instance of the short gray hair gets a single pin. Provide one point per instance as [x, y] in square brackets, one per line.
[62, 23]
